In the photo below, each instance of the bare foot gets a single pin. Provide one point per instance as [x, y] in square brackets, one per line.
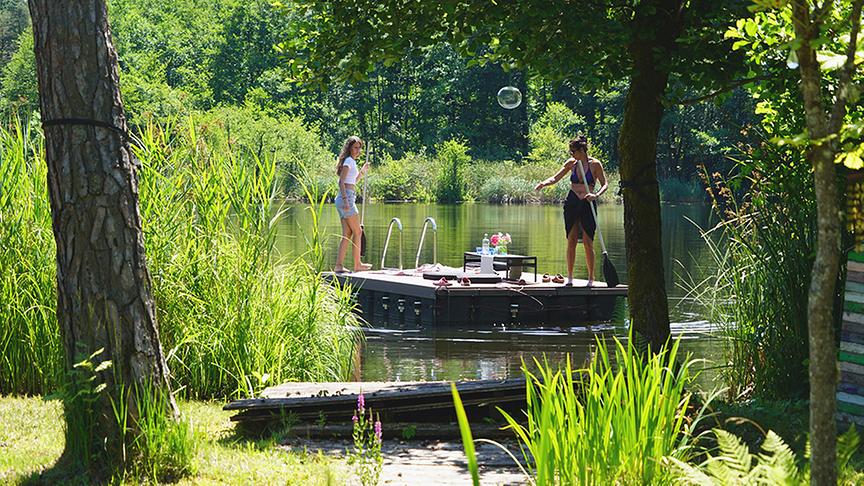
[339, 269]
[590, 282]
[362, 267]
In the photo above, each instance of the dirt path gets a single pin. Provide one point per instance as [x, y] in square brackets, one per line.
[429, 462]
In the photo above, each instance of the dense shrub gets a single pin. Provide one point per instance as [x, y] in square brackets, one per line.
[452, 160]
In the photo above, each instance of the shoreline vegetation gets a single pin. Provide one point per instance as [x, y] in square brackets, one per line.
[235, 315]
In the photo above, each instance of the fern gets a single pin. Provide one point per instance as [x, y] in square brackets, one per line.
[774, 465]
[735, 465]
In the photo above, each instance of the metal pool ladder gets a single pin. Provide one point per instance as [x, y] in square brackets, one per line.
[387, 241]
[434, 241]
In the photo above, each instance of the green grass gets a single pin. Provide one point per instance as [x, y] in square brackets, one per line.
[31, 441]
[613, 422]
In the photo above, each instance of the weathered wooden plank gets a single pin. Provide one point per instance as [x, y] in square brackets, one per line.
[855, 337]
[850, 388]
[433, 389]
[855, 276]
[852, 368]
[852, 378]
[848, 418]
[847, 357]
[850, 408]
[324, 389]
[851, 317]
[854, 287]
[853, 266]
[854, 297]
[852, 347]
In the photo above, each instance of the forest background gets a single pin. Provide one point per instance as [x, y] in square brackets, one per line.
[432, 117]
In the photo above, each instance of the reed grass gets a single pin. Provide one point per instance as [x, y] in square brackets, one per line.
[31, 353]
[612, 422]
[763, 249]
[235, 315]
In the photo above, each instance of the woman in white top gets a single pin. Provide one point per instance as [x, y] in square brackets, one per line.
[348, 174]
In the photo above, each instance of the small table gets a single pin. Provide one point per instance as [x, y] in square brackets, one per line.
[509, 261]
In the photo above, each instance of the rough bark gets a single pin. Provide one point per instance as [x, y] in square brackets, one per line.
[104, 297]
[637, 147]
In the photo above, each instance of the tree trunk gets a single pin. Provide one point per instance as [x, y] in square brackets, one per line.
[104, 297]
[823, 350]
[637, 147]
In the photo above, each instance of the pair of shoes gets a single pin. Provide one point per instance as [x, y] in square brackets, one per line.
[465, 281]
[443, 282]
[559, 279]
[546, 278]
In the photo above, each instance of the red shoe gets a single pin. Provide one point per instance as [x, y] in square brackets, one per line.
[546, 278]
[443, 282]
[559, 279]
[465, 281]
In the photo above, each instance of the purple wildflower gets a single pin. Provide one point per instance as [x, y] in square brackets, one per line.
[354, 418]
[361, 403]
[378, 430]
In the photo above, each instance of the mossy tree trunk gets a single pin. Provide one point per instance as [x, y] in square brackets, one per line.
[657, 25]
[824, 125]
[104, 297]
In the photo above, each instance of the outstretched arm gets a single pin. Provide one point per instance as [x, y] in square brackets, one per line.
[567, 167]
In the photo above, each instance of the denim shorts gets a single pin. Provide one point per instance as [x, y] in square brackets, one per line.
[352, 205]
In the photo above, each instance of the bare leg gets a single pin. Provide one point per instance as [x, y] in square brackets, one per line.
[354, 225]
[572, 241]
[589, 257]
[343, 246]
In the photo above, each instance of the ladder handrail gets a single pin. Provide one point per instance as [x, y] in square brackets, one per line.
[387, 241]
[434, 241]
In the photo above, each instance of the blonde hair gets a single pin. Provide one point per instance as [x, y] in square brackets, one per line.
[346, 151]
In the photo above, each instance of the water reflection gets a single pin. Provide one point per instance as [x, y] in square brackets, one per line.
[446, 354]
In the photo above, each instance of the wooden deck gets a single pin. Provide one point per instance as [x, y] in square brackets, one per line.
[395, 401]
[405, 297]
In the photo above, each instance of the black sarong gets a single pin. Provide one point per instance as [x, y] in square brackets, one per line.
[578, 210]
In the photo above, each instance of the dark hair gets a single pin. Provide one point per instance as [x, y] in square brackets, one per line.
[579, 144]
[346, 151]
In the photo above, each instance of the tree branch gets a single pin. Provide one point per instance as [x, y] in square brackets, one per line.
[735, 84]
[838, 111]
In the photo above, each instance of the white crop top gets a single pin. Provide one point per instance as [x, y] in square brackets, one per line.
[351, 165]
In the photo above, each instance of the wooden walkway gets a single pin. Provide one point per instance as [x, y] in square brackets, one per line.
[394, 401]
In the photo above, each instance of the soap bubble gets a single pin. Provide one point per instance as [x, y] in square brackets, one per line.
[509, 97]
[792, 60]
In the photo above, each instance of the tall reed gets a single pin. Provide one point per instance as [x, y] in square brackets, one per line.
[763, 250]
[234, 314]
[31, 353]
[610, 423]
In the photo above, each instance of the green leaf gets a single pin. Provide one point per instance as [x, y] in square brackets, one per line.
[830, 61]
[467, 439]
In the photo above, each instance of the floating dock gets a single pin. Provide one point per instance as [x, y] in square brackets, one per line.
[405, 297]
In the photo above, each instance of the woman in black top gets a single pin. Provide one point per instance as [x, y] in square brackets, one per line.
[578, 221]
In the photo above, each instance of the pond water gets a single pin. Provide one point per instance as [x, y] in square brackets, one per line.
[447, 354]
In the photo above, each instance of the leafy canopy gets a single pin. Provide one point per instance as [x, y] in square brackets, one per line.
[559, 39]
